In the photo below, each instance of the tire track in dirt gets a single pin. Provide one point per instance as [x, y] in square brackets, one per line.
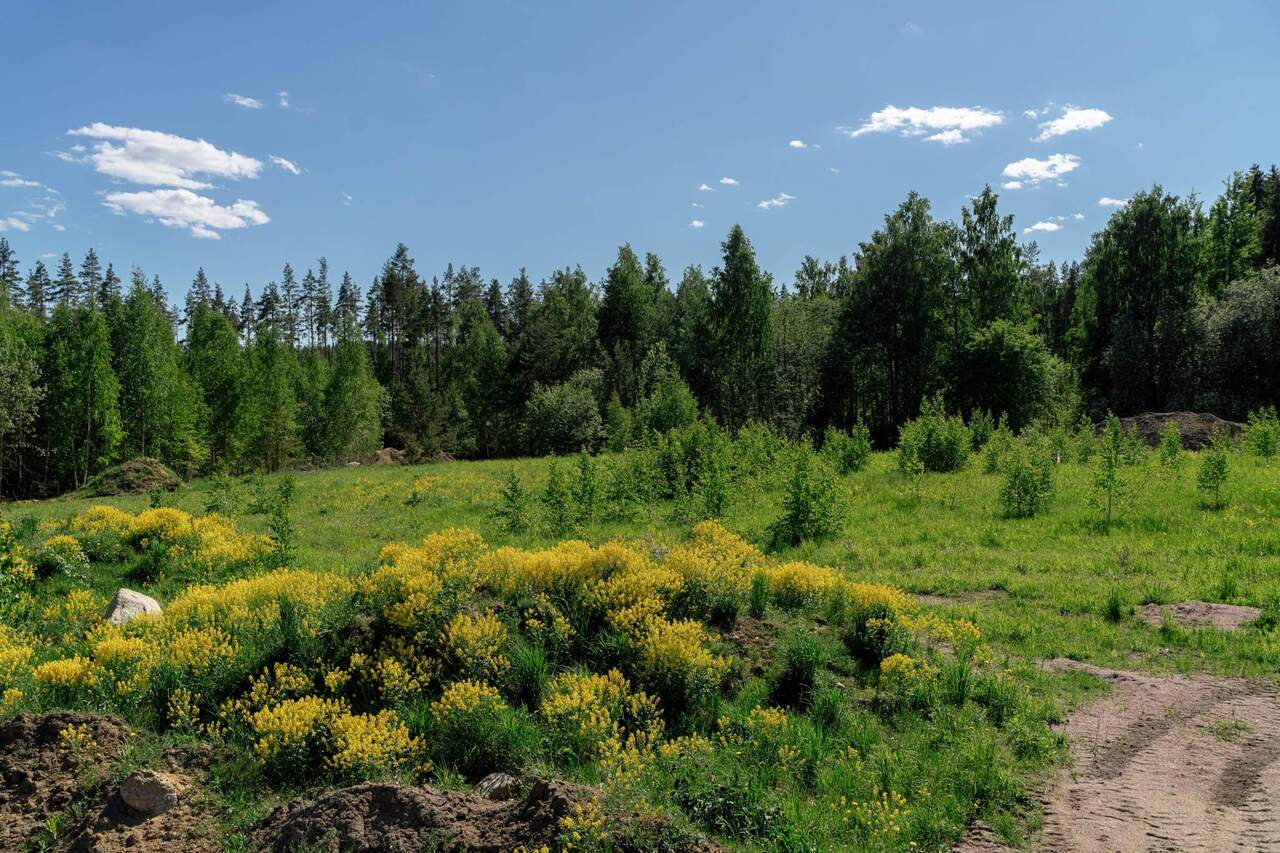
[1164, 764]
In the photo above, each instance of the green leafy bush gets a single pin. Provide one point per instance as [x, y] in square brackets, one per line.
[810, 507]
[564, 418]
[1028, 486]
[940, 442]
[1170, 445]
[1262, 432]
[1212, 474]
[848, 451]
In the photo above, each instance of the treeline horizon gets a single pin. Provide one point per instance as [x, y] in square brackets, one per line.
[1172, 306]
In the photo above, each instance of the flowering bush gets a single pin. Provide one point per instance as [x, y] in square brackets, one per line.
[61, 554]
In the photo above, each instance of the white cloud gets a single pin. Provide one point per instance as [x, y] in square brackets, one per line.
[695, 204]
[181, 208]
[153, 157]
[1034, 113]
[1042, 226]
[912, 29]
[939, 121]
[346, 199]
[729, 182]
[1011, 185]
[284, 99]
[242, 101]
[1071, 120]
[954, 136]
[13, 179]
[696, 224]
[703, 188]
[1077, 216]
[1108, 201]
[833, 170]
[57, 227]
[288, 165]
[797, 143]
[13, 223]
[1029, 170]
[779, 200]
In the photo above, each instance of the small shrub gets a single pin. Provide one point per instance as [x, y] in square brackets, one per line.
[998, 444]
[1170, 445]
[61, 555]
[981, 426]
[1110, 486]
[617, 425]
[941, 443]
[1262, 432]
[558, 510]
[280, 523]
[528, 674]
[474, 732]
[512, 510]
[810, 506]
[873, 634]
[1212, 474]
[1028, 482]
[1085, 440]
[586, 488]
[848, 451]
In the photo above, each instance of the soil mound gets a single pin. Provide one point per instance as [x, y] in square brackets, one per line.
[400, 819]
[109, 825]
[1165, 763]
[386, 456]
[1197, 428]
[43, 770]
[1200, 614]
[129, 478]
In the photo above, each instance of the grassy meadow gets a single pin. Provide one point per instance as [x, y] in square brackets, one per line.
[814, 708]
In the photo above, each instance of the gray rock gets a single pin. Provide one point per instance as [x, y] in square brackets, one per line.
[498, 786]
[149, 792]
[126, 605]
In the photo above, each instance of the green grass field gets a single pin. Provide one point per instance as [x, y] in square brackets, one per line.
[1051, 586]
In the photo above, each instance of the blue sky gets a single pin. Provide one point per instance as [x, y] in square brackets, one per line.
[545, 134]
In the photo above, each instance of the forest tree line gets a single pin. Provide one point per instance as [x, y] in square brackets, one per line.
[1172, 306]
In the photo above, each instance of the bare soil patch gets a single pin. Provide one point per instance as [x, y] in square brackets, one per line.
[1200, 614]
[42, 772]
[401, 819]
[1165, 763]
[752, 638]
[136, 476]
[110, 825]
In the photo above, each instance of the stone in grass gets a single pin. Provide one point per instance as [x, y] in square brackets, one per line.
[148, 792]
[498, 786]
[127, 605]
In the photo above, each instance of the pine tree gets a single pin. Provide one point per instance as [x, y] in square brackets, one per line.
[520, 304]
[625, 321]
[323, 309]
[10, 278]
[109, 290]
[496, 306]
[39, 289]
[66, 288]
[308, 300]
[198, 296]
[90, 278]
[290, 300]
[248, 316]
[742, 318]
[347, 313]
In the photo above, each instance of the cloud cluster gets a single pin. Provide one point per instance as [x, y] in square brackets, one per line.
[1108, 201]
[696, 224]
[1029, 171]
[13, 179]
[797, 143]
[179, 165]
[181, 208]
[161, 159]
[1072, 120]
[779, 200]
[948, 125]
[288, 165]
[13, 223]
[1042, 225]
[728, 182]
[242, 101]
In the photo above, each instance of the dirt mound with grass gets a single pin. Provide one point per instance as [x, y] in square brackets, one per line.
[1164, 763]
[137, 476]
[1200, 614]
[402, 819]
[47, 762]
[386, 456]
[110, 825]
[1196, 428]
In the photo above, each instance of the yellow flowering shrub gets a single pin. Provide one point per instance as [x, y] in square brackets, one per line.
[101, 519]
[61, 554]
[370, 744]
[71, 673]
[289, 733]
[16, 652]
[14, 565]
[73, 614]
[466, 697]
[201, 650]
[472, 644]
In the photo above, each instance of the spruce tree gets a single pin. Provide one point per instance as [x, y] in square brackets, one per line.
[90, 277]
[742, 328]
[82, 401]
[66, 287]
[39, 290]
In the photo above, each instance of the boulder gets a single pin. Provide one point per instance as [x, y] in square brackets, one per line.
[127, 605]
[498, 786]
[148, 792]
